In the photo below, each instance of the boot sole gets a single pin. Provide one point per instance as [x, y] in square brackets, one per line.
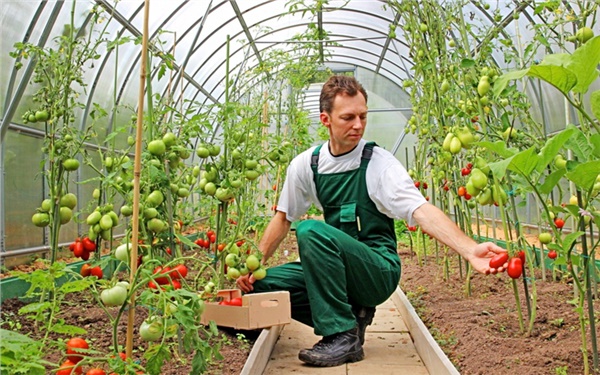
[356, 356]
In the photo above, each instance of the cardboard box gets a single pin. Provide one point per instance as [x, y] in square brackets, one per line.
[258, 310]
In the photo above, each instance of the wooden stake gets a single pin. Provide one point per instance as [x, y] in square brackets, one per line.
[136, 179]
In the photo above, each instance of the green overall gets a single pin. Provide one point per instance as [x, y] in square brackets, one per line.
[348, 260]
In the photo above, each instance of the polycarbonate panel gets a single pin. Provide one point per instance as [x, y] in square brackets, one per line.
[23, 190]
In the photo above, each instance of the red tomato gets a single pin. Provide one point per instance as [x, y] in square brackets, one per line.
[86, 270]
[521, 255]
[85, 255]
[96, 271]
[168, 250]
[212, 238]
[239, 243]
[462, 191]
[176, 284]
[78, 249]
[498, 260]
[417, 184]
[210, 233]
[72, 246]
[425, 186]
[88, 244]
[465, 171]
[470, 165]
[67, 368]
[559, 222]
[552, 254]
[221, 247]
[515, 267]
[162, 280]
[237, 301]
[179, 271]
[199, 242]
[73, 344]
[95, 371]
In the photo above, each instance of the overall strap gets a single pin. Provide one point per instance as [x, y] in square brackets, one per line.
[314, 161]
[366, 154]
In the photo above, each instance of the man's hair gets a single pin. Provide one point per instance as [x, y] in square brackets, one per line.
[337, 85]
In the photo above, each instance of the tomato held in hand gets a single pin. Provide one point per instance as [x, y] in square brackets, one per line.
[515, 267]
[498, 260]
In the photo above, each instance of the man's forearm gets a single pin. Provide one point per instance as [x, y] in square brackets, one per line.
[276, 231]
[434, 222]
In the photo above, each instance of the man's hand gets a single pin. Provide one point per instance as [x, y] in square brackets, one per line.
[481, 255]
[245, 283]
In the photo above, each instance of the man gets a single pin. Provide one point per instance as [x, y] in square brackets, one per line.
[349, 263]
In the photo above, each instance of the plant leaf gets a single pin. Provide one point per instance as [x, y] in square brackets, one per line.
[552, 146]
[524, 162]
[551, 181]
[571, 238]
[595, 103]
[584, 175]
[578, 143]
[584, 62]
[501, 82]
[498, 147]
[561, 78]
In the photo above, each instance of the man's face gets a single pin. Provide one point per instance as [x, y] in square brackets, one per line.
[346, 122]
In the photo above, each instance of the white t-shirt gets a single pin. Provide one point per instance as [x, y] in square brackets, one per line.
[388, 184]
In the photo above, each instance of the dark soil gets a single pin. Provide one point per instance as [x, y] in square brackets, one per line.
[481, 333]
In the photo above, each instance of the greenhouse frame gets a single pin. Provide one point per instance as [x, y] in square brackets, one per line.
[154, 123]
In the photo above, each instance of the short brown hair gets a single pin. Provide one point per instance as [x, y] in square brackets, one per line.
[335, 86]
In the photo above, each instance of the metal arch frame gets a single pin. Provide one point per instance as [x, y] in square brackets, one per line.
[219, 48]
[207, 77]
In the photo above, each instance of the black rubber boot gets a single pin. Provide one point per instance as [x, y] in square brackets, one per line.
[334, 350]
[364, 317]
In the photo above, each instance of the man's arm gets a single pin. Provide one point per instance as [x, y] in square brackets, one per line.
[434, 222]
[276, 231]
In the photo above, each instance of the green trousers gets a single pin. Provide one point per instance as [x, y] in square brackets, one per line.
[336, 272]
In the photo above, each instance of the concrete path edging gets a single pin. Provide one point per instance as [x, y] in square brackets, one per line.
[261, 351]
[430, 352]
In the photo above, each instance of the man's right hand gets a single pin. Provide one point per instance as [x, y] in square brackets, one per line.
[245, 283]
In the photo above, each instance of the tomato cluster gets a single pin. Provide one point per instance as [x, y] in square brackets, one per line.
[88, 270]
[172, 276]
[237, 301]
[82, 247]
[514, 269]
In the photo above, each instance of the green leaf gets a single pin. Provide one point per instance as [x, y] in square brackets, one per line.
[571, 238]
[584, 64]
[584, 175]
[186, 241]
[498, 147]
[67, 329]
[76, 285]
[552, 146]
[35, 307]
[561, 78]
[467, 63]
[524, 162]
[501, 82]
[499, 168]
[551, 181]
[578, 143]
[595, 103]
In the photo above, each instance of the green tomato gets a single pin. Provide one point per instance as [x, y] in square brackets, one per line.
[93, 218]
[232, 260]
[260, 273]
[155, 225]
[251, 174]
[155, 198]
[252, 262]
[40, 219]
[122, 252]
[71, 164]
[157, 147]
[210, 188]
[169, 139]
[545, 238]
[126, 211]
[251, 164]
[68, 200]
[233, 273]
[44, 115]
[215, 150]
[478, 179]
[115, 296]
[203, 152]
[65, 215]
[183, 192]
[106, 222]
[223, 194]
[46, 205]
[151, 329]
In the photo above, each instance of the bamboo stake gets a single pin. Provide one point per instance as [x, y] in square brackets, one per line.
[136, 180]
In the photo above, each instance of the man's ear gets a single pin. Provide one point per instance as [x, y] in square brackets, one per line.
[325, 120]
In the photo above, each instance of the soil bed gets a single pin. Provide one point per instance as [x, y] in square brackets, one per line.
[481, 333]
